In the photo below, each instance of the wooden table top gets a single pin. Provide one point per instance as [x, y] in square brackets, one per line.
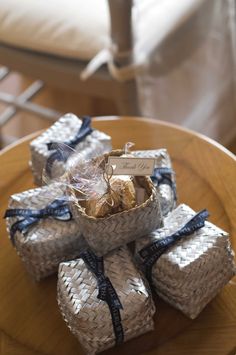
[30, 322]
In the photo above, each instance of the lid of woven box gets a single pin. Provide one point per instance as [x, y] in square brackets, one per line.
[161, 156]
[165, 180]
[191, 249]
[37, 199]
[78, 290]
[64, 130]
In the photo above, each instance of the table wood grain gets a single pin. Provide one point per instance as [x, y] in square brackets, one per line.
[30, 322]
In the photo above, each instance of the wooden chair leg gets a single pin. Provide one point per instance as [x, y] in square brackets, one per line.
[127, 99]
[121, 34]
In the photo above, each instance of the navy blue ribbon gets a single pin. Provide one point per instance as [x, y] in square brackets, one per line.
[106, 291]
[58, 209]
[153, 251]
[63, 154]
[163, 175]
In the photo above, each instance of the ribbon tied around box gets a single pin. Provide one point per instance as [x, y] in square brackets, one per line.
[106, 291]
[58, 209]
[62, 151]
[162, 175]
[151, 253]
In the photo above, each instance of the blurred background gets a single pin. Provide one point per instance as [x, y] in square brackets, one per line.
[166, 59]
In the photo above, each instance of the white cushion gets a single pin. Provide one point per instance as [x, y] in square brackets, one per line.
[81, 28]
[70, 28]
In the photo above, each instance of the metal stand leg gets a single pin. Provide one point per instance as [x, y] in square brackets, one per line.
[22, 102]
[3, 72]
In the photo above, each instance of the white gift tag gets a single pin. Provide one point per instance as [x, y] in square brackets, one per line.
[131, 166]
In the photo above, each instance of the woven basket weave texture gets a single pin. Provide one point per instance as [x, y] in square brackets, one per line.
[48, 242]
[64, 130]
[162, 160]
[88, 317]
[194, 270]
[107, 233]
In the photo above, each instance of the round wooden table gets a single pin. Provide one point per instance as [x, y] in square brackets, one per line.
[30, 322]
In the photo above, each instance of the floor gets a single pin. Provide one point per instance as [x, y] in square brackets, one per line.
[24, 123]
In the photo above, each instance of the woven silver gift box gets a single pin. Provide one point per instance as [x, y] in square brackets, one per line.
[107, 233]
[42, 243]
[190, 273]
[104, 304]
[65, 130]
[163, 177]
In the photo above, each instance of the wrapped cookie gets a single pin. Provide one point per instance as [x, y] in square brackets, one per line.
[105, 301]
[121, 197]
[188, 261]
[114, 218]
[42, 229]
[163, 177]
[55, 147]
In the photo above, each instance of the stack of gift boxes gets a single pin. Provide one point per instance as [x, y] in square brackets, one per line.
[104, 290]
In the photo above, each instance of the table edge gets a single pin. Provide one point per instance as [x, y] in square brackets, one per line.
[171, 125]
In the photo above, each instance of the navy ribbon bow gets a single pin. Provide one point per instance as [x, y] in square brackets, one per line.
[62, 155]
[153, 251]
[58, 209]
[106, 291]
[163, 175]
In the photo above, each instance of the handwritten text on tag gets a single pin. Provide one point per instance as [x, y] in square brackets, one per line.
[131, 166]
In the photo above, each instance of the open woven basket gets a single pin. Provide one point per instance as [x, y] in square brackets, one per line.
[107, 233]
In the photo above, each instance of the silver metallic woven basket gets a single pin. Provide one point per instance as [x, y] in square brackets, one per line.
[107, 233]
[190, 273]
[64, 130]
[49, 241]
[89, 318]
[167, 192]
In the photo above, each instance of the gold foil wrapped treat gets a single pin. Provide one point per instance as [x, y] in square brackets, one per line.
[103, 205]
[55, 147]
[123, 186]
[43, 230]
[163, 177]
[120, 197]
[105, 301]
[188, 261]
[106, 226]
